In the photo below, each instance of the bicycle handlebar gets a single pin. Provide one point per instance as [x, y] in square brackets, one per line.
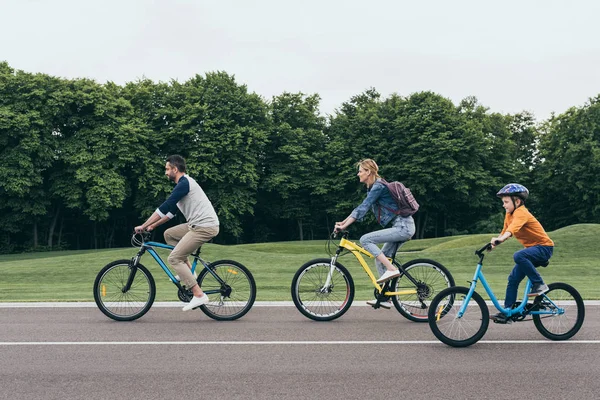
[143, 237]
[334, 234]
[488, 246]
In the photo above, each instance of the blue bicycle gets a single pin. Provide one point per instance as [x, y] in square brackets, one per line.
[459, 317]
[124, 290]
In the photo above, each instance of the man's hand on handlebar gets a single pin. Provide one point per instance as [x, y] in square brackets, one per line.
[141, 229]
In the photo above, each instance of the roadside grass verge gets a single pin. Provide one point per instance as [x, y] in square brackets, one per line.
[69, 275]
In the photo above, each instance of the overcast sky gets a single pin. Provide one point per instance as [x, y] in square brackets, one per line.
[540, 56]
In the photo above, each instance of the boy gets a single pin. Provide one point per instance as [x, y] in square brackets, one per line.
[520, 223]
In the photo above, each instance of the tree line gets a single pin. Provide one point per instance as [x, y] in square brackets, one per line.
[83, 162]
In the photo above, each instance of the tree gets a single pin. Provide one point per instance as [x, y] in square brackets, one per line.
[99, 142]
[291, 162]
[28, 146]
[568, 174]
[221, 130]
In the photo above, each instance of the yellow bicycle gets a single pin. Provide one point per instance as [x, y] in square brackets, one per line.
[323, 289]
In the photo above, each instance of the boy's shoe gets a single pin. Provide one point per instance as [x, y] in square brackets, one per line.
[196, 302]
[501, 318]
[537, 289]
[387, 275]
[387, 304]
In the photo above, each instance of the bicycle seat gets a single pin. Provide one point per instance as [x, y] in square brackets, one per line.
[395, 249]
[544, 264]
[198, 250]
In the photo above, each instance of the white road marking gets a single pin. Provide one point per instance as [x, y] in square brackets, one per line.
[284, 342]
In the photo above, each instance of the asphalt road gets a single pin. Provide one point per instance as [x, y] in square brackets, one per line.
[276, 353]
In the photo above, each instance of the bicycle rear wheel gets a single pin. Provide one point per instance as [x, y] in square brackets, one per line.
[317, 301]
[431, 276]
[232, 299]
[119, 305]
[557, 326]
[448, 327]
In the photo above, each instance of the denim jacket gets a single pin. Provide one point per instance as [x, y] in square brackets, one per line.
[380, 201]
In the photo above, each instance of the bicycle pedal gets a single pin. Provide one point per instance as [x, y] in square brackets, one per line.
[501, 320]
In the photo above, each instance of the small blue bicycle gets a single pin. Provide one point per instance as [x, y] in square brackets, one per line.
[124, 290]
[459, 317]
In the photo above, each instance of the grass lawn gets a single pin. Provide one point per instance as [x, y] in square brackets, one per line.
[69, 275]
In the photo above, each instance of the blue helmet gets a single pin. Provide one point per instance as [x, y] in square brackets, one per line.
[514, 189]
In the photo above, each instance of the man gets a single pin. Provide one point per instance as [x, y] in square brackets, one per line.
[202, 225]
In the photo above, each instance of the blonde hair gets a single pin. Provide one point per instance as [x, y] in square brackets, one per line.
[369, 165]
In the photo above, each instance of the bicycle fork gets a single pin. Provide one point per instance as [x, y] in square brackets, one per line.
[132, 270]
[326, 288]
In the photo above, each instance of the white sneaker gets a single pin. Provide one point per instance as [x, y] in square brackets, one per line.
[196, 302]
[177, 277]
[387, 275]
[385, 304]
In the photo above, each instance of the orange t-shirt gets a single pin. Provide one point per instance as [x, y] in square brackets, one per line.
[526, 228]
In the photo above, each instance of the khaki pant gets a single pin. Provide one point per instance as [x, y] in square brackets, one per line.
[186, 240]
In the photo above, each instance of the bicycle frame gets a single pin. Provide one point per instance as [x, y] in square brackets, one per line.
[149, 247]
[478, 276]
[356, 250]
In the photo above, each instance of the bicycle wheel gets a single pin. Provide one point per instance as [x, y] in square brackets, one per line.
[557, 326]
[444, 321]
[431, 276]
[232, 299]
[316, 301]
[119, 305]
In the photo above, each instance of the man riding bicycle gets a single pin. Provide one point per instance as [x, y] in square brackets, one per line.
[202, 224]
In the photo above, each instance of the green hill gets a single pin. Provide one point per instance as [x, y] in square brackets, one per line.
[69, 275]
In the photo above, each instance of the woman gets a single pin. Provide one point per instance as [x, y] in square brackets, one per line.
[401, 229]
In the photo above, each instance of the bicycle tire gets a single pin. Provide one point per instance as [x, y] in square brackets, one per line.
[311, 301]
[232, 300]
[453, 331]
[111, 299]
[567, 297]
[432, 276]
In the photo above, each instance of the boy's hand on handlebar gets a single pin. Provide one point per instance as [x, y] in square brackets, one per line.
[494, 242]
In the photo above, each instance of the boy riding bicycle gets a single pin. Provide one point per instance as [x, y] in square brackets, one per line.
[521, 224]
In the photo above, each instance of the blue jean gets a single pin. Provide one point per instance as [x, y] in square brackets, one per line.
[402, 229]
[525, 260]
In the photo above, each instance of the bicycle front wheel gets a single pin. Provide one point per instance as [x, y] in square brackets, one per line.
[567, 312]
[316, 299]
[231, 299]
[451, 329]
[431, 277]
[122, 305]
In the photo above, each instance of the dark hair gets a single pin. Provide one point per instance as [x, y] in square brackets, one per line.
[177, 161]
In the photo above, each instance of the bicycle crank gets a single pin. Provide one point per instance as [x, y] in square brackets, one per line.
[185, 295]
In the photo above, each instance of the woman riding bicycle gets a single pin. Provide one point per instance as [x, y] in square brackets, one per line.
[380, 201]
